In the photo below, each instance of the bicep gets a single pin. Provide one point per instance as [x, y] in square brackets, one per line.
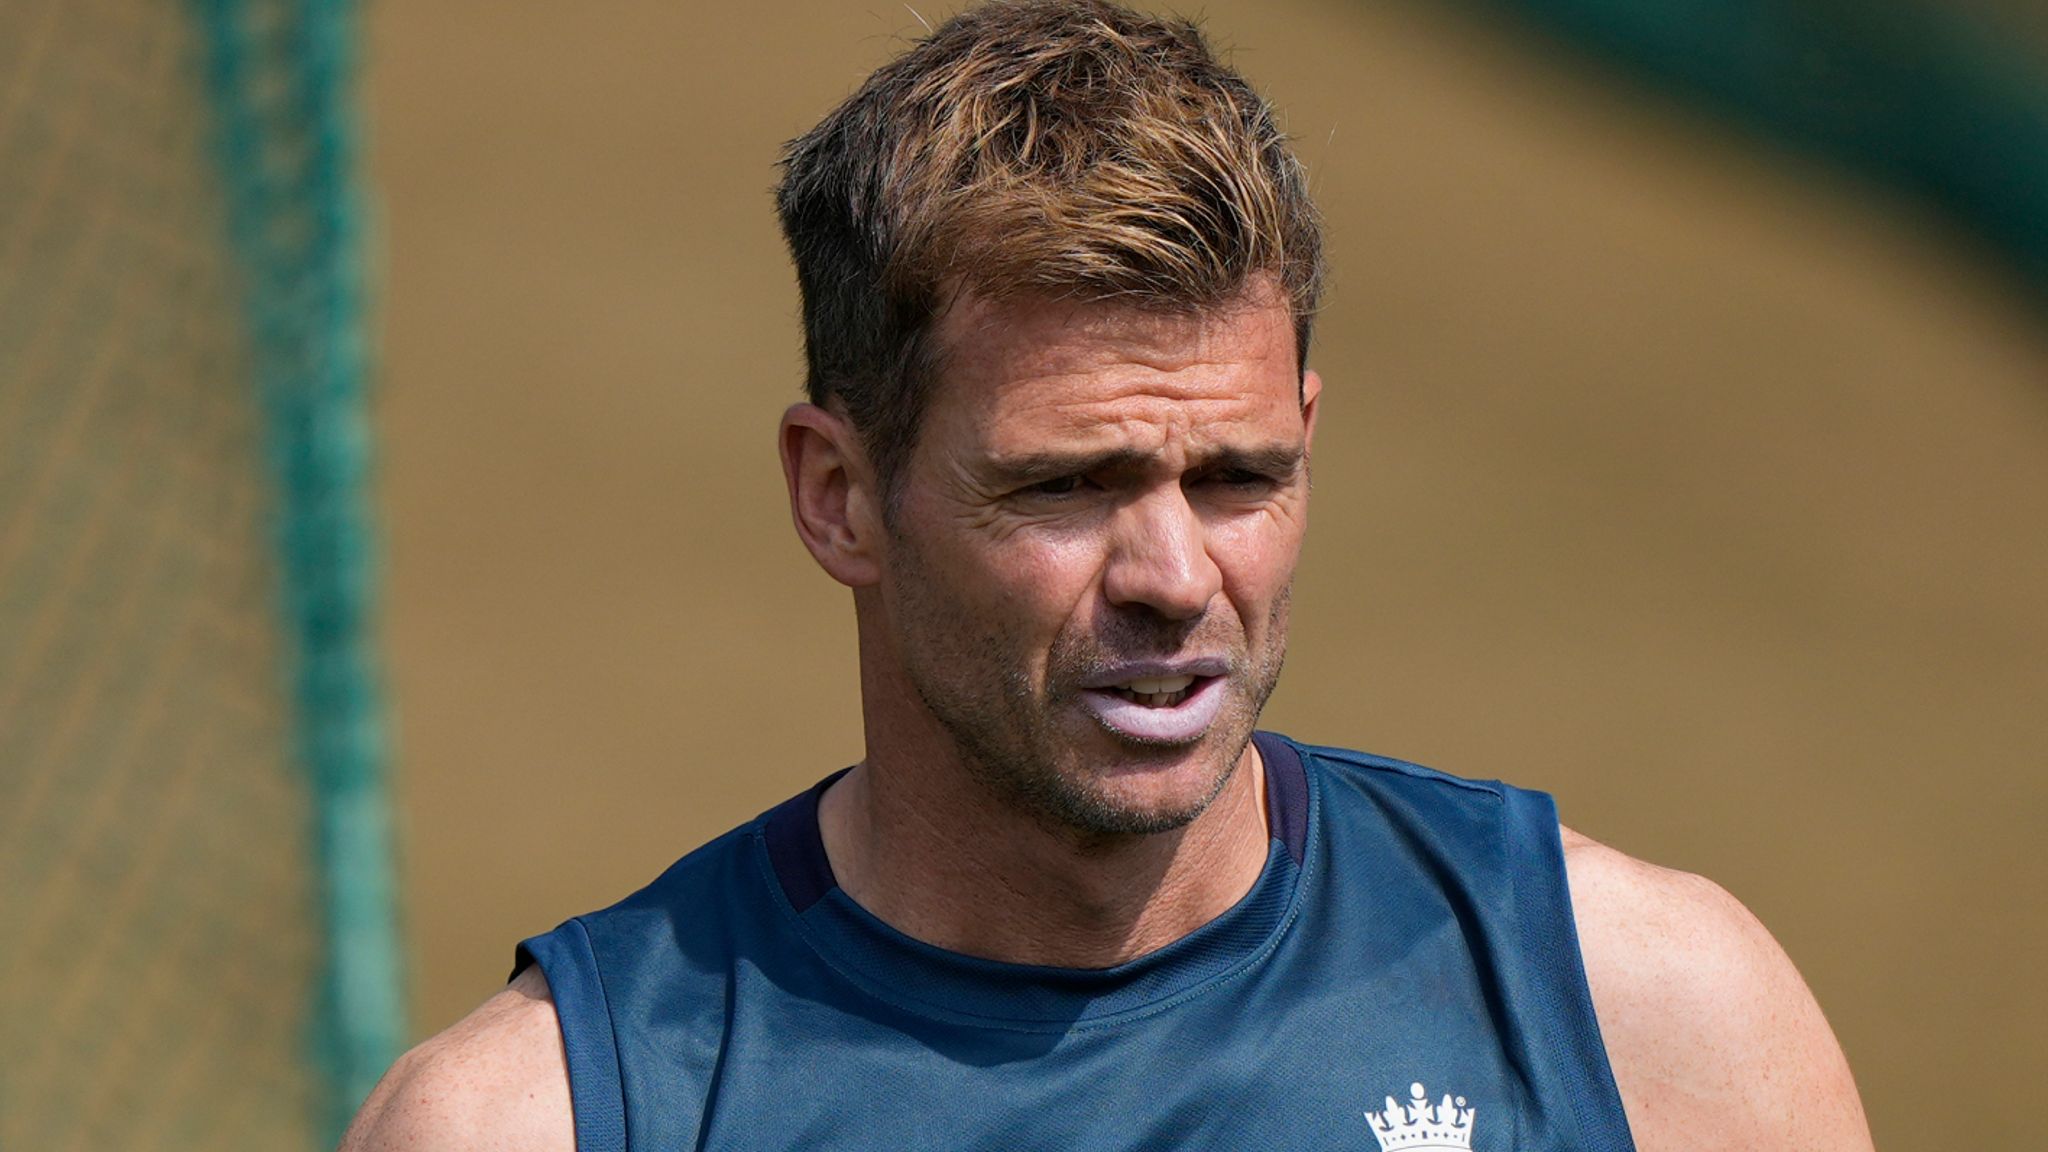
[1714, 1039]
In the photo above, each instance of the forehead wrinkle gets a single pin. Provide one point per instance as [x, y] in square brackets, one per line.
[1137, 380]
[1116, 369]
[1024, 377]
[1148, 424]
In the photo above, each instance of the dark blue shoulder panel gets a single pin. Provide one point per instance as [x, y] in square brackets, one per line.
[1286, 792]
[595, 1093]
[797, 849]
[1555, 983]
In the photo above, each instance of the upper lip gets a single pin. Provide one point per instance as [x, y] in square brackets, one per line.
[1117, 674]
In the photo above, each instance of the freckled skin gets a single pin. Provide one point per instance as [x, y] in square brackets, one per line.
[1008, 589]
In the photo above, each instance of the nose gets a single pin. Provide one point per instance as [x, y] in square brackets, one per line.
[1159, 558]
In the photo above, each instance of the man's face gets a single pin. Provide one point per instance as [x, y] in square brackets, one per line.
[1089, 557]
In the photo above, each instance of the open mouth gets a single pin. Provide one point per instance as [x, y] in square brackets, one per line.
[1160, 710]
[1159, 692]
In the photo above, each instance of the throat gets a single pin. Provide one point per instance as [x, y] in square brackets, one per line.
[990, 883]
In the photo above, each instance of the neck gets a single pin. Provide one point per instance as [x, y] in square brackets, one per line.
[931, 853]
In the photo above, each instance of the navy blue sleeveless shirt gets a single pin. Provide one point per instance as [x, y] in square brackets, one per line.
[1404, 975]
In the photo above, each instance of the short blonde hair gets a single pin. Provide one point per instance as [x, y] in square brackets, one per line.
[1068, 148]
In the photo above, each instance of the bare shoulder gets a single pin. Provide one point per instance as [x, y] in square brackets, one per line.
[1715, 1041]
[497, 1081]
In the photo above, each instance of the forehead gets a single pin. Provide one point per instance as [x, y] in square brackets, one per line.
[1017, 371]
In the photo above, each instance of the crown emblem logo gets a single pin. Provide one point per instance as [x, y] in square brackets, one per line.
[1417, 1124]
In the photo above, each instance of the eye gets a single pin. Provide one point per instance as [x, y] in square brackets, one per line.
[1060, 486]
[1239, 479]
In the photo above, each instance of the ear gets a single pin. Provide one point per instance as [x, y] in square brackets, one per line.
[832, 495]
[1311, 389]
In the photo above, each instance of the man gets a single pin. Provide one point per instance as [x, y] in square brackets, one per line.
[1059, 273]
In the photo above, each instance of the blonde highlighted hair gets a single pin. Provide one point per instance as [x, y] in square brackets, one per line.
[1067, 148]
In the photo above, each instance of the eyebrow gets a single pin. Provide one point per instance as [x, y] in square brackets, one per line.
[1280, 460]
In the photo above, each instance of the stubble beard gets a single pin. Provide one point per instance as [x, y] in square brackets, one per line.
[1027, 746]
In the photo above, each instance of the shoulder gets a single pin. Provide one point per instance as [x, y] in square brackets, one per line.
[498, 1079]
[1347, 770]
[1714, 1039]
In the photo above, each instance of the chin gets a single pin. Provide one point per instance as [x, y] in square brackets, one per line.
[1139, 787]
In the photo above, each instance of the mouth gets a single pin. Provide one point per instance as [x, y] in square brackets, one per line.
[1157, 691]
[1166, 710]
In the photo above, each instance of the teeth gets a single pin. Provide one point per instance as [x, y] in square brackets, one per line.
[1160, 686]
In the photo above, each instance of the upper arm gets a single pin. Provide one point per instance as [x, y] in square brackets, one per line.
[496, 1081]
[1714, 1039]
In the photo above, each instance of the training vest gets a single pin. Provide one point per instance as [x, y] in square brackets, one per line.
[1404, 975]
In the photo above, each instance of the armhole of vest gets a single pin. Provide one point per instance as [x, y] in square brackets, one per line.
[1550, 939]
[596, 1093]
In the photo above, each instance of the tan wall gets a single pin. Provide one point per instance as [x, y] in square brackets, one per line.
[1701, 488]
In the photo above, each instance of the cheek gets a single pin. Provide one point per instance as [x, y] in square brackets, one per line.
[1257, 555]
[1048, 578]
[1040, 576]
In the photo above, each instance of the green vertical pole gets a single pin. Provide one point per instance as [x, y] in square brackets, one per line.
[280, 75]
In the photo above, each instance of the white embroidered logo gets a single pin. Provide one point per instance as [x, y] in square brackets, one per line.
[1418, 1124]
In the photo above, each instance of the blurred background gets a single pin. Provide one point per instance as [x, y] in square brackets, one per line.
[1685, 455]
